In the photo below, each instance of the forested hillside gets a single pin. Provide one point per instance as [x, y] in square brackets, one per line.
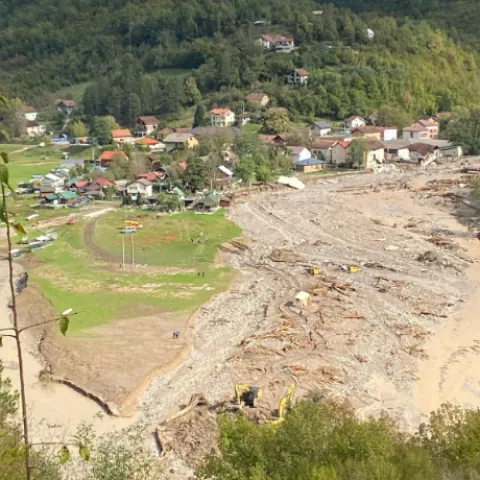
[458, 18]
[46, 45]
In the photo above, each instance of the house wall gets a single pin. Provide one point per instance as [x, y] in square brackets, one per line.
[376, 135]
[401, 153]
[406, 135]
[222, 120]
[357, 123]
[389, 134]
[303, 155]
[373, 157]
[454, 152]
[123, 140]
[326, 153]
[339, 155]
[31, 116]
[310, 168]
[321, 132]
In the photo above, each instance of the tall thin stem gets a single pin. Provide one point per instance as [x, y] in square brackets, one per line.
[23, 396]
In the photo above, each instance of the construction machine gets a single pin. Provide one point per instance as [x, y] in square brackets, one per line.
[284, 404]
[247, 395]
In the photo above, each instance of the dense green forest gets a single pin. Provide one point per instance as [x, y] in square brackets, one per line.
[322, 441]
[459, 18]
[123, 45]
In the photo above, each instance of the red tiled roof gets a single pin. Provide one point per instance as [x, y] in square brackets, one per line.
[182, 130]
[151, 176]
[80, 183]
[256, 97]
[302, 72]
[68, 103]
[352, 118]
[149, 120]
[29, 109]
[121, 133]
[103, 182]
[147, 141]
[343, 143]
[323, 143]
[276, 38]
[219, 111]
[108, 155]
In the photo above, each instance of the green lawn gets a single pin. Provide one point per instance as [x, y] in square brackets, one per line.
[251, 128]
[75, 92]
[168, 240]
[10, 147]
[69, 277]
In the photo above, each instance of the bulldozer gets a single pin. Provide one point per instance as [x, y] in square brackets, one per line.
[285, 403]
[247, 395]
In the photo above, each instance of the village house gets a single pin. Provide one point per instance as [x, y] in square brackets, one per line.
[259, 98]
[122, 136]
[60, 198]
[66, 106]
[34, 129]
[141, 186]
[396, 150]
[340, 152]
[151, 143]
[323, 148]
[300, 153]
[146, 125]
[370, 34]
[160, 179]
[373, 155]
[274, 41]
[273, 140]
[108, 156]
[310, 165]
[221, 117]
[416, 131]
[54, 181]
[243, 119]
[432, 125]
[30, 113]
[298, 77]
[179, 141]
[354, 122]
[320, 128]
[423, 153]
[46, 190]
[380, 133]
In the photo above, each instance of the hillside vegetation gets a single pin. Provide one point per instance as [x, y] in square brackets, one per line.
[48, 45]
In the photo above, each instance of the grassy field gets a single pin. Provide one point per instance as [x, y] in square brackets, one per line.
[69, 277]
[75, 92]
[184, 239]
[9, 147]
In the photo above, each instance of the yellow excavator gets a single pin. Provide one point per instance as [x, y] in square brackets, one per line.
[247, 395]
[285, 403]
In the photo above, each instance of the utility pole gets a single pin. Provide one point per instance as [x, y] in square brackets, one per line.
[133, 249]
[123, 252]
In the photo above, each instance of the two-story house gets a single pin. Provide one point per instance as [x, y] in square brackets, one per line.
[141, 186]
[298, 77]
[221, 117]
[179, 141]
[416, 131]
[259, 98]
[432, 125]
[320, 128]
[146, 125]
[384, 134]
[30, 113]
[34, 129]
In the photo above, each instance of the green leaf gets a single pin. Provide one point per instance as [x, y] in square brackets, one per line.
[4, 176]
[19, 228]
[5, 157]
[63, 324]
[84, 452]
[64, 455]
[3, 100]
[1, 341]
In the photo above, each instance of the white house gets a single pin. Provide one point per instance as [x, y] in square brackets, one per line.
[416, 131]
[243, 119]
[320, 128]
[389, 134]
[298, 77]
[423, 153]
[146, 125]
[354, 122]
[300, 153]
[30, 113]
[323, 148]
[34, 129]
[142, 187]
[221, 117]
[396, 150]
[370, 34]
[432, 125]
[122, 136]
[275, 41]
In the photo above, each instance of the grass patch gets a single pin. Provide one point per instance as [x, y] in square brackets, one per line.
[251, 128]
[185, 239]
[75, 92]
[69, 277]
[9, 147]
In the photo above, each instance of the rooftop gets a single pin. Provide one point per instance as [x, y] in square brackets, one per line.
[149, 120]
[121, 133]
[321, 124]
[309, 161]
[219, 111]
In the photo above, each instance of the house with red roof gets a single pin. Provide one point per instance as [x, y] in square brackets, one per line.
[151, 143]
[340, 152]
[275, 41]
[221, 117]
[298, 77]
[273, 140]
[146, 125]
[122, 136]
[108, 156]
